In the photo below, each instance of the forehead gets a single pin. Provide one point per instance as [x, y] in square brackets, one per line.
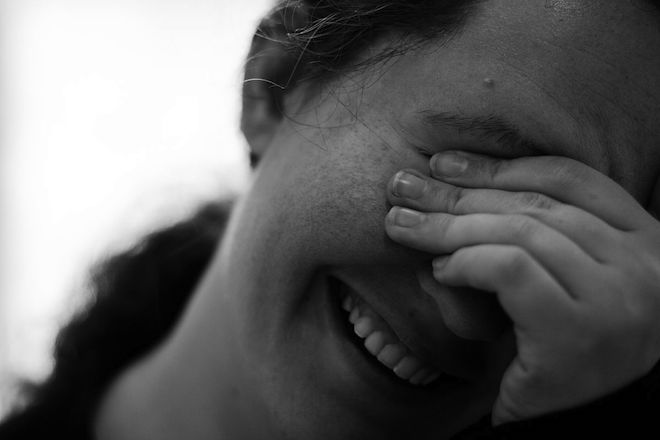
[585, 54]
[580, 77]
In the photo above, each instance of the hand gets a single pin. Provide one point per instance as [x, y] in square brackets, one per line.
[573, 259]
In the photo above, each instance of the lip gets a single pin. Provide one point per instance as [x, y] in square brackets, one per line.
[370, 370]
[417, 322]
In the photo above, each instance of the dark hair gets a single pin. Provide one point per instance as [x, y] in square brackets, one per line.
[324, 37]
[137, 297]
[303, 40]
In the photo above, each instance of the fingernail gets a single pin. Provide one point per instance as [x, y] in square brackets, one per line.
[408, 185]
[407, 218]
[448, 164]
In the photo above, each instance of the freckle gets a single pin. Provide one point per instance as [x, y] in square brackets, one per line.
[489, 82]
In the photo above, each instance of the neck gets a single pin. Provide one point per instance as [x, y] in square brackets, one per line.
[204, 380]
[195, 385]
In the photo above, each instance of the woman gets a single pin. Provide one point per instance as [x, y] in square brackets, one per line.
[341, 304]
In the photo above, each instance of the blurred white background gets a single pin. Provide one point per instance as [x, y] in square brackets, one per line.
[116, 116]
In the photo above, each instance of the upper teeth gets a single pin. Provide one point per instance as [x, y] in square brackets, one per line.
[381, 342]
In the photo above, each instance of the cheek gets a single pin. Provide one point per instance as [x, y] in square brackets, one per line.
[340, 200]
[323, 198]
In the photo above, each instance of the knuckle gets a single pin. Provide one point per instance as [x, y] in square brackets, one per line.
[435, 192]
[522, 227]
[518, 260]
[514, 264]
[636, 283]
[442, 225]
[496, 169]
[566, 173]
[453, 196]
[630, 315]
[644, 307]
[536, 201]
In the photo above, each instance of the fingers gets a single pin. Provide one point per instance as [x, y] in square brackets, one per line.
[414, 190]
[526, 291]
[440, 233]
[561, 178]
[553, 239]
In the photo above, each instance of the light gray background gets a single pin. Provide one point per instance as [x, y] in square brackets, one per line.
[116, 116]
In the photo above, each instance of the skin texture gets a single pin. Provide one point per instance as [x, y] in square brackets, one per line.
[261, 353]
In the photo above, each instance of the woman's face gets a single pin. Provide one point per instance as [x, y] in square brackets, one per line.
[571, 78]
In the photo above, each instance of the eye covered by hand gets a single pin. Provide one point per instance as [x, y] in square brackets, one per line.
[573, 259]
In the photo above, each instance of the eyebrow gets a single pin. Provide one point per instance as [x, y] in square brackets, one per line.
[491, 128]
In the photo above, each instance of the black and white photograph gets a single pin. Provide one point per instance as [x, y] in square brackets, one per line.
[329, 219]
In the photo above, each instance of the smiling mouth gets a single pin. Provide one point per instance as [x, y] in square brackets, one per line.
[381, 343]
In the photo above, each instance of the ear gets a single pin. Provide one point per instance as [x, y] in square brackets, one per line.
[269, 74]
